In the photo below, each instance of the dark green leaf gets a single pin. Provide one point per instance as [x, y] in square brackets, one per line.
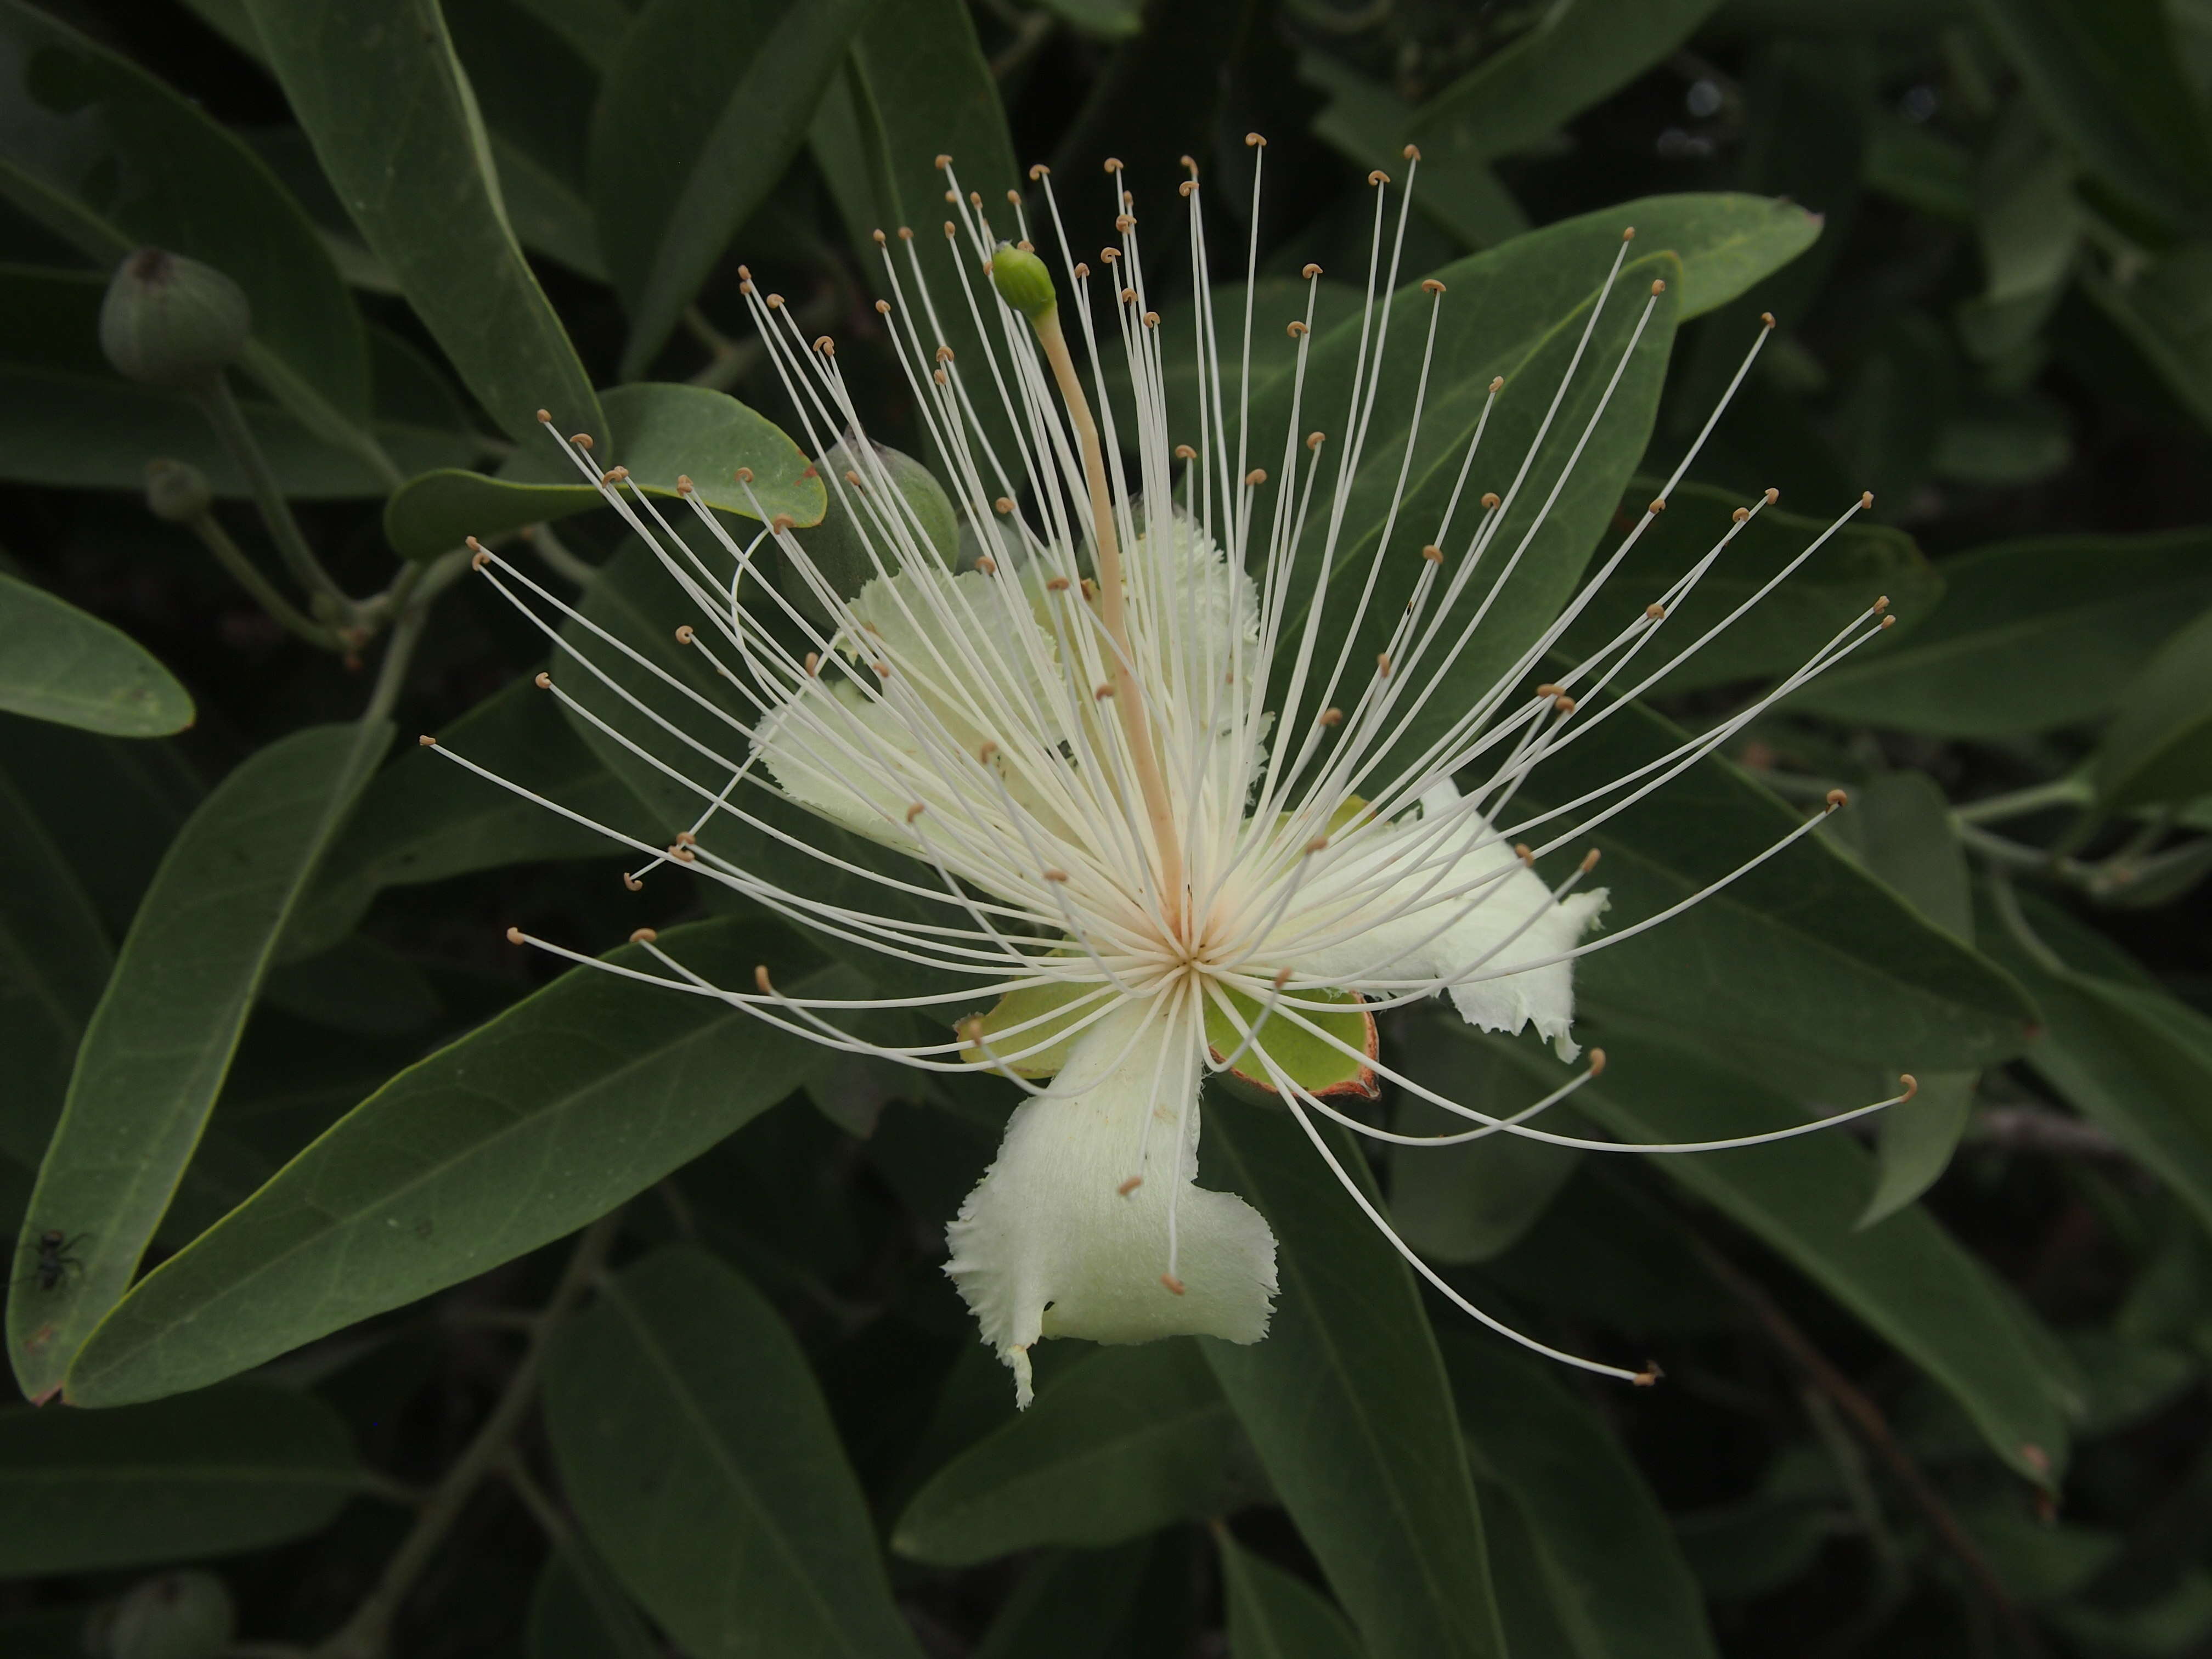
[694, 1444]
[160, 1043]
[706, 104]
[68, 419]
[667, 432]
[109, 158]
[2160, 748]
[524, 1130]
[1609, 1564]
[1805, 945]
[54, 962]
[238, 1468]
[1108, 20]
[2164, 308]
[577, 1611]
[2107, 76]
[1369, 124]
[396, 128]
[1981, 665]
[1075, 1604]
[58, 664]
[1858, 565]
[1275, 1615]
[1346, 1400]
[1907, 1278]
[1578, 53]
[1123, 1442]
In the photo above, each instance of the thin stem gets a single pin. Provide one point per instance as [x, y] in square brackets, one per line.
[228, 420]
[557, 556]
[232, 557]
[2005, 904]
[1867, 1417]
[2072, 790]
[368, 1633]
[1128, 699]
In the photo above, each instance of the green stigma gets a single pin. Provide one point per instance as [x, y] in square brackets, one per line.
[1023, 282]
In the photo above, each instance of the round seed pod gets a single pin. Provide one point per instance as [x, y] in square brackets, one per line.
[173, 322]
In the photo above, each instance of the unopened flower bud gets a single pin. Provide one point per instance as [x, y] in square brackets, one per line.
[178, 1616]
[176, 491]
[1022, 280]
[170, 321]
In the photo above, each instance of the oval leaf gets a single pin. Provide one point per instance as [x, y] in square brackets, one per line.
[1346, 1400]
[381, 95]
[1274, 1615]
[160, 1043]
[693, 1442]
[532, 1124]
[58, 664]
[54, 963]
[1123, 1442]
[2160, 748]
[238, 1468]
[667, 431]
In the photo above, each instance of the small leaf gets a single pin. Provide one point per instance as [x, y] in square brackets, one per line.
[666, 432]
[160, 1043]
[380, 91]
[235, 1469]
[1981, 664]
[58, 664]
[1609, 1561]
[1861, 563]
[2160, 748]
[1346, 1401]
[693, 1442]
[703, 110]
[532, 1124]
[1275, 1615]
[1574, 55]
[1124, 1442]
[110, 158]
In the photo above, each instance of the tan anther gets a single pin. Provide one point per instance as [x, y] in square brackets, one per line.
[825, 346]
[915, 812]
[1254, 141]
[1185, 452]
[1318, 844]
[1547, 690]
[1151, 320]
[975, 198]
[1658, 287]
[685, 634]
[852, 477]
[1881, 604]
[514, 936]
[1025, 244]
[1055, 875]
[1658, 504]
[1174, 1285]
[1889, 622]
[1330, 717]
[1129, 1186]
[984, 752]
[1110, 255]
[1430, 285]
[1316, 440]
[1188, 164]
[1382, 664]
[542, 681]
[1294, 328]
[545, 418]
[1589, 860]
[427, 741]
[1125, 223]
[1309, 271]
[937, 375]
[1013, 199]
[1496, 384]
[1837, 797]
[944, 354]
[1866, 498]
[761, 980]
[987, 564]
[941, 162]
[581, 439]
[1433, 554]
[951, 230]
[813, 663]
[881, 241]
[1039, 170]
[883, 669]
[775, 302]
[479, 559]
[1057, 585]
[1113, 164]
[1129, 296]
[1563, 703]
[684, 485]
[1082, 269]
[632, 883]
[1656, 610]
[1597, 1062]
[1740, 514]
[1911, 1085]
[1649, 1375]
[743, 475]
[1766, 320]
[685, 838]
[642, 936]
[746, 287]
[1090, 589]
[1187, 188]
[1003, 507]
[1257, 476]
[905, 232]
[610, 476]
[1103, 693]
[1628, 235]
[1522, 851]
[1378, 177]
[780, 523]
[1772, 494]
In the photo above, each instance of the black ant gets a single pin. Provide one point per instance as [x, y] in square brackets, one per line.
[54, 1258]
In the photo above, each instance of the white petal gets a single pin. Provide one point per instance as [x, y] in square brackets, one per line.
[1421, 927]
[1047, 1245]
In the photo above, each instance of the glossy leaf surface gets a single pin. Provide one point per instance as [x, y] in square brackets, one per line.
[58, 664]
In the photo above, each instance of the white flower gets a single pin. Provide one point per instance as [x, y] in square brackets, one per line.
[1166, 827]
